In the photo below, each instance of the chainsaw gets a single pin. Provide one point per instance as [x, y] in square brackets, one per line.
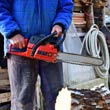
[47, 49]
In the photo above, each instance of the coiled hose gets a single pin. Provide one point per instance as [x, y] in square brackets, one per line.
[96, 46]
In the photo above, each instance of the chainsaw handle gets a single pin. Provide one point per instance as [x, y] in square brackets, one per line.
[41, 41]
[47, 37]
[11, 45]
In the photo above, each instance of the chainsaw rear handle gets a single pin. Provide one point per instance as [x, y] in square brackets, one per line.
[45, 39]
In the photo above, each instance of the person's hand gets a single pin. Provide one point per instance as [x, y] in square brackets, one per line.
[18, 41]
[58, 29]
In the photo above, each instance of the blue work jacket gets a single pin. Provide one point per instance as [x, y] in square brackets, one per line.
[33, 17]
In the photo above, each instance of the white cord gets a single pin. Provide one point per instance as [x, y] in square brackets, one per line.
[96, 46]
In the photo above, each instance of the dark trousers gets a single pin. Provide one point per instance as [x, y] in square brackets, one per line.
[23, 74]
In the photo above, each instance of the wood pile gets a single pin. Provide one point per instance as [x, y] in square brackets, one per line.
[79, 17]
[89, 100]
[99, 12]
[4, 90]
[88, 12]
[78, 14]
[84, 99]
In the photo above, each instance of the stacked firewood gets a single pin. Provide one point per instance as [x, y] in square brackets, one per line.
[79, 15]
[79, 19]
[4, 90]
[85, 99]
[89, 100]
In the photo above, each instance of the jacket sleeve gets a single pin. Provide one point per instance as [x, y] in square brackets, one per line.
[64, 13]
[7, 23]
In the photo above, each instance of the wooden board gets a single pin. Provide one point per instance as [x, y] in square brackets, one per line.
[3, 71]
[88, 84]
[5, 97]
[4, 82]
[3, 74]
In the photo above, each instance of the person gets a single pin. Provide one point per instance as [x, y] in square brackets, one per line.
[21, 19]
